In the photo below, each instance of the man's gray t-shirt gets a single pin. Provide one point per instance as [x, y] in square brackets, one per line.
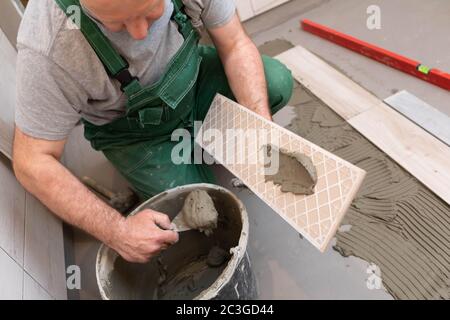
[60, 80]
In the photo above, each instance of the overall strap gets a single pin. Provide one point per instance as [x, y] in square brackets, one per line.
[179, 16]
[115, 65]
[178, 5]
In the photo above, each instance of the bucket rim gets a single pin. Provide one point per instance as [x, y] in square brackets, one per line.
[238, 252]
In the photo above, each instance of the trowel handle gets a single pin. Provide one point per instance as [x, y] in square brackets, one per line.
[91, 183]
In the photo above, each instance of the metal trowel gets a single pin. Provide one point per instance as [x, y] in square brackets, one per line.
[180, 225]
[199, 211]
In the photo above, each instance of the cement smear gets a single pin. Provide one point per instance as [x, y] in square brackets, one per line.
[396, 222]
[296, 172]
[275, 47]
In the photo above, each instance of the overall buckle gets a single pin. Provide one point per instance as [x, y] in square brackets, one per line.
[125, 78]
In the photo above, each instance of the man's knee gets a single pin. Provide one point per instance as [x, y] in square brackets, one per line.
[279, 83]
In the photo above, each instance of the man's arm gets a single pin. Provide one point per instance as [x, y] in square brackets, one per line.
[37, 167]
[243, 66]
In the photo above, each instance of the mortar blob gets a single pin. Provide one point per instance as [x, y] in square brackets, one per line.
[199, 212]
[295, 172]
[197, 267]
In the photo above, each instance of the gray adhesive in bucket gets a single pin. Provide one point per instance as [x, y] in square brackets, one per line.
[182, 271]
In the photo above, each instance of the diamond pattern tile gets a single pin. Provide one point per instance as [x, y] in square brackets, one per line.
[317, 216]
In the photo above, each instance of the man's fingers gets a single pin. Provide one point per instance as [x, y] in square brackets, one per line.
[168, 237]
[162, 220]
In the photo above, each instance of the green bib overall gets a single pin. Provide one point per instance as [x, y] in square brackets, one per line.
[139, 144]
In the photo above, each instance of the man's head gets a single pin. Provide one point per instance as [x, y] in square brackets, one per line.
[135, 16]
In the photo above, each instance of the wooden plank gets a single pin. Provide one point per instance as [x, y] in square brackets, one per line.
[32, 290]
[11, 278]
[421, 154]
[421, 113]
[345, 97]
[316, 216]
[44, 248]
[8, 56]
[12, 213]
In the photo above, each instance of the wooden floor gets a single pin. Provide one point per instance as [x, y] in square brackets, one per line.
[32, 257]
[343, 95]
[417, 151]
[31, 244]
[31, 239]
[421, 113]
[7, 93]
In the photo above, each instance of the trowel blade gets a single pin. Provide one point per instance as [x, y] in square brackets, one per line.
[180, 225]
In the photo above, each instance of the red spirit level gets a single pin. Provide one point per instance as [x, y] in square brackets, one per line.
[402, 63]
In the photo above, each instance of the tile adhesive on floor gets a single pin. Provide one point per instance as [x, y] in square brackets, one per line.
[395, 222]
[316, 216]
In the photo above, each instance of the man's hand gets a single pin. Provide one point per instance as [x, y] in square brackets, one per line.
[143, 236]
[37, 167]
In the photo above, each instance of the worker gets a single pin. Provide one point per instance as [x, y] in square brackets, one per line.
[132, 72]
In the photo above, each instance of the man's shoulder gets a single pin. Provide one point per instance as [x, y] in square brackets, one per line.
[41, 24]
[44, 32]
[210, 13]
